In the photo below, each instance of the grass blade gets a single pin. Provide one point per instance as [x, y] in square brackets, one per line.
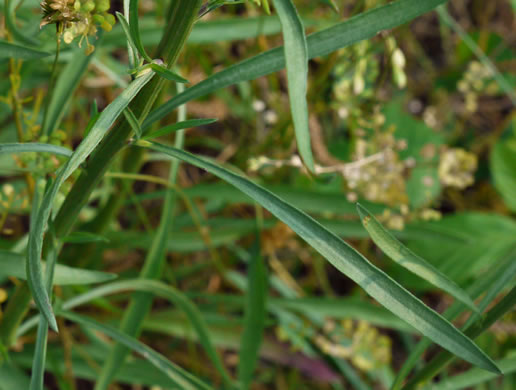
[254, 319]
[358, 28]
[351, 263]
[183, 378]
[16, 148]
[135, 29]
[179, 126]
[398, 252]
[13, 264]
[296, 58]
[13, 50]
[35, 245]
[475, 376]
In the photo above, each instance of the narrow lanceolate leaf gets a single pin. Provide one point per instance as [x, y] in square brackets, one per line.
[38, 226]
[408, 259]
[13, 264]
[296, 55]
[179, 126]
[254, 320]
[135, 29]
[16, 148]
[181, 377]
[128, 36]
[133, 122]
[12, 50]
[363, 26]
[351, 263]
[167, 74]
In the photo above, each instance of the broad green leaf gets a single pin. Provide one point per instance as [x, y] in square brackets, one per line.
[351, 263]
[296, 61]
[15, 148]
[67, 83]
[503, 169]
[408, 259]
[35, 244]
[179, 126]
[167, 74]
[135, 29]
[355, 29]
[181, 377]
[13, 264]
[475, 376]
[12, 50]
[254, 317]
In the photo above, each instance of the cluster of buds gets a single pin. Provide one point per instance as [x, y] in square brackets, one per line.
[476, 80]
[76, 18]
[457, 168]
[358, 341]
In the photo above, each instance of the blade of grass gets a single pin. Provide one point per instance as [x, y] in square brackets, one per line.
[443, 358]
[13, 50]
[254, 317]
[181, 377]
[133, 122]
[351, 263]
[35, 244]
[10, 22]
[475, 376]
[187, 124]
[358, 28]
[16, 148]
[149, 286]
[167, 74]
[13, 264]
[296, 61]
[398, 252]
[135, 29]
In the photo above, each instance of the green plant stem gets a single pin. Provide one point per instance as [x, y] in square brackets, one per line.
[478, 327]
[183, 14]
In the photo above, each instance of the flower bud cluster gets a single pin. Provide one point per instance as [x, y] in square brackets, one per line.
[457, 168]
[477, 80]
[78, 18]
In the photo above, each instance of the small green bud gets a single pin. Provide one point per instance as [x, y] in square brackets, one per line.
[98, 19]
[110, 19]
[106, 26]
[77, 5]
[103, 5]
[88, 6]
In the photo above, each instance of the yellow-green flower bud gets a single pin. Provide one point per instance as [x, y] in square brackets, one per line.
[110, 19]
[98, 19]
[103, 5]
[88, 6]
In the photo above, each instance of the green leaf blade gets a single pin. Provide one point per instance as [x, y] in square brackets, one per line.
[296, 59]
[13, 50]
[15, 148]
[374, 281]
[38, 226]
[398, 252]
[179, 126]
[135, 29]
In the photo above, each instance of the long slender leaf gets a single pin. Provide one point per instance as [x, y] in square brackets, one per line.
[15, 148]
[475, 376]
[135, 29]
[13, 264]
[35, 245]
[179, 126]
[254, 320]
[167, 74]
[181, 377]
[131, 45]
[408, 259]
[351, 263]
[10, 6]
[358, 28]
[296, 58]
[149, 286]
[13, 50]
